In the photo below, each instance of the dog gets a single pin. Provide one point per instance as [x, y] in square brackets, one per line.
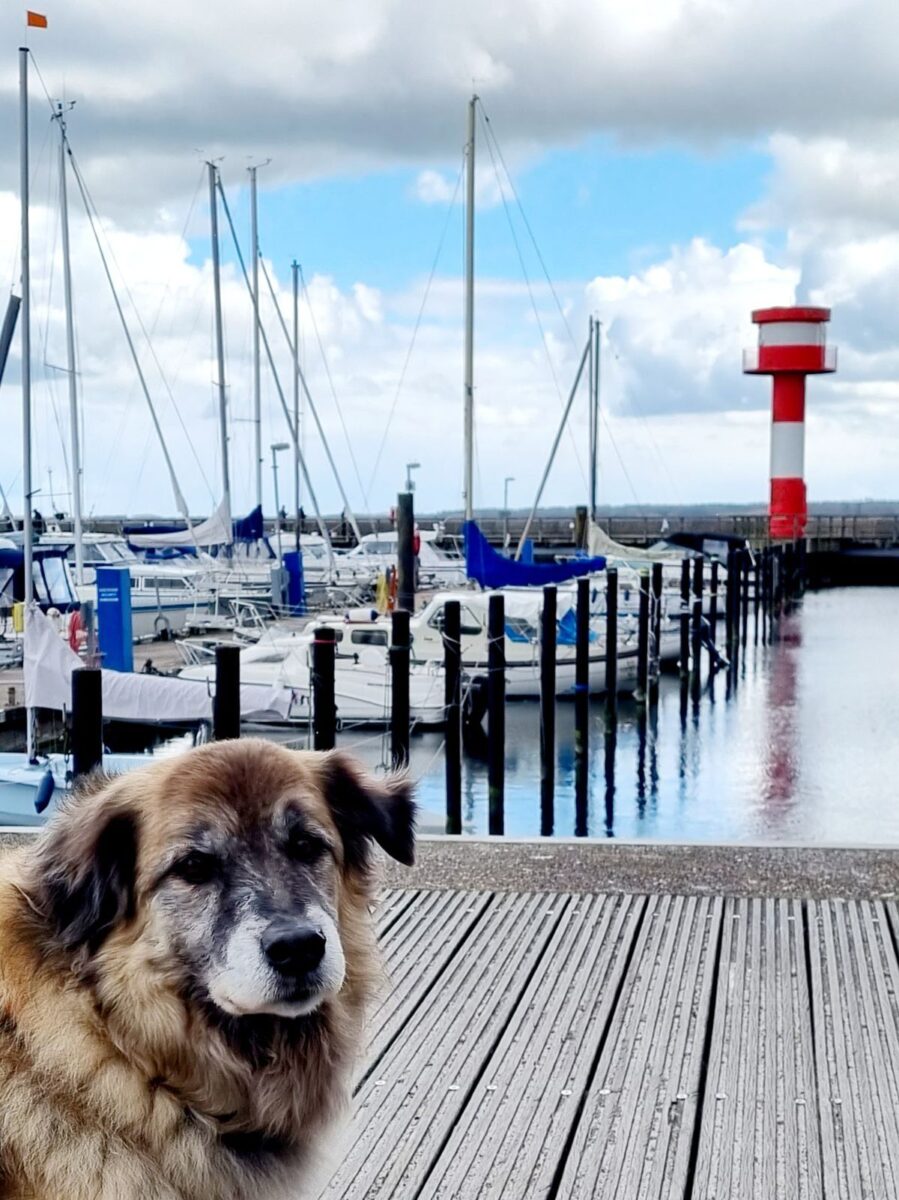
[186, 955]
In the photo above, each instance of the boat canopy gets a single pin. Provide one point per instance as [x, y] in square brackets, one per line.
[491, 569]
[129, 696]
[52, 581]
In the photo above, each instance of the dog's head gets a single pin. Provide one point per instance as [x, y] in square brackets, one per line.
[230, 869]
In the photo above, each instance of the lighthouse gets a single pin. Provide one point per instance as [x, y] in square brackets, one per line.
[792, 344]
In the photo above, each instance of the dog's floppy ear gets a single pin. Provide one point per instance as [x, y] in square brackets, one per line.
[86, 864]
[366, 809]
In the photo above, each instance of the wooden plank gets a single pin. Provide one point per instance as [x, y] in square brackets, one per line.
[417, 950]
[391, 904]
[634, 1136]
[760, 1136]
[855, 1007]
[508, 1139]
[406, 1110]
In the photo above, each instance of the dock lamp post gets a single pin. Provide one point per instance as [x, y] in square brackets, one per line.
[410, 483]
[276, 446]
[509, 479]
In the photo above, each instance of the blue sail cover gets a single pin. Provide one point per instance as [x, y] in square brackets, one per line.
[249, 528]
[493, 570]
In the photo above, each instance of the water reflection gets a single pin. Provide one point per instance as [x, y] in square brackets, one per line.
[796, 740]
[781, 768]
[610, 742]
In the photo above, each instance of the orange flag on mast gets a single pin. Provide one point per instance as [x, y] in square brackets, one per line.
[37, 20]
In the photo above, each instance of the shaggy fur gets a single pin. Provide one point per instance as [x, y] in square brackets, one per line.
[120, 1079]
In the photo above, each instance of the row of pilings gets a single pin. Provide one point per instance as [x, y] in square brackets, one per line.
[722, 608]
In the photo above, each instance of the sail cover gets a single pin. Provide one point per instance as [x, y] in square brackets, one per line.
[127, 696]
[250, 528]
[599, 542]
[215, 531]
[493, 570]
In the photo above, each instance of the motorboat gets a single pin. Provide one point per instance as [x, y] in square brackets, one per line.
[164, 595]
[30, 792]
[361, 627]
[377, 551]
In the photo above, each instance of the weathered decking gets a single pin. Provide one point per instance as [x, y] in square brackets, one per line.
[682, 1022]
[627, 1046]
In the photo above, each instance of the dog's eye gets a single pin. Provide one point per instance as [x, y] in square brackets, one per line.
[303, 848]
[196, 867]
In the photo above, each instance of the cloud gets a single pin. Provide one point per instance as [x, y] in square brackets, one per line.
[362, 85]
[846, 186]
[680, 421]
[433, 188]
[367, 83]
[675, 330]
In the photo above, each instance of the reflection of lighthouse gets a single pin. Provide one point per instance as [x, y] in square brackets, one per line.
[792, 344]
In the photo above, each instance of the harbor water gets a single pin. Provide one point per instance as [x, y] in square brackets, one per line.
[798, 744]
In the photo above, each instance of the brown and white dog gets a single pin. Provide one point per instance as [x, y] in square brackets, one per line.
[186, 953]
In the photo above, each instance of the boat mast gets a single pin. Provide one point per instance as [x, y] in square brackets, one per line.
[552, 454]
[26, 356]
[74, 432]
[257, 393]
[595, 336]
[468, 494]
[219, 336]
[295, 271]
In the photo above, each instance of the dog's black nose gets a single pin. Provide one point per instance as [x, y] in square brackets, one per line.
[293, 949]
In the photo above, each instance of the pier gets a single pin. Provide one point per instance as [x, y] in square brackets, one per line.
[584, 1020]
[579, 1019]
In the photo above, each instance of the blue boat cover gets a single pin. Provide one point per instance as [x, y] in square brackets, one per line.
[249, 528]
[493, 570]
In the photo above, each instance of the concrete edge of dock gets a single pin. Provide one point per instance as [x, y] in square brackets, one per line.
[594, 865]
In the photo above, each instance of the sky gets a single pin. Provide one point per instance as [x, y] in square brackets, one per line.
[665, 166]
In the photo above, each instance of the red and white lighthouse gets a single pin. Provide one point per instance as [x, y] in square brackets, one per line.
[792, 344]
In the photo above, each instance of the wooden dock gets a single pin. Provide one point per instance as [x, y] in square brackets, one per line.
[570, 1044]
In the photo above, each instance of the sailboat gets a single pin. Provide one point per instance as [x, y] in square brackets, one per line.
[31, 784]
[484, 565]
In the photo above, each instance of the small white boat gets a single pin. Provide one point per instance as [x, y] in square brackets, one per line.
[30, 792]
[378, 551]
[522, 637]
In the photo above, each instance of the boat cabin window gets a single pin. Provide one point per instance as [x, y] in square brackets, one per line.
[520, 630]
[369, 637]
[166, 583]
[51, 582]
[470, 626]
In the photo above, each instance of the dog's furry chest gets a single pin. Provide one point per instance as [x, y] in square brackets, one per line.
[88, 1163]
[60, 1141]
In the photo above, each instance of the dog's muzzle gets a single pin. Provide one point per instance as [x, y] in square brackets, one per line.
[294, 950]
